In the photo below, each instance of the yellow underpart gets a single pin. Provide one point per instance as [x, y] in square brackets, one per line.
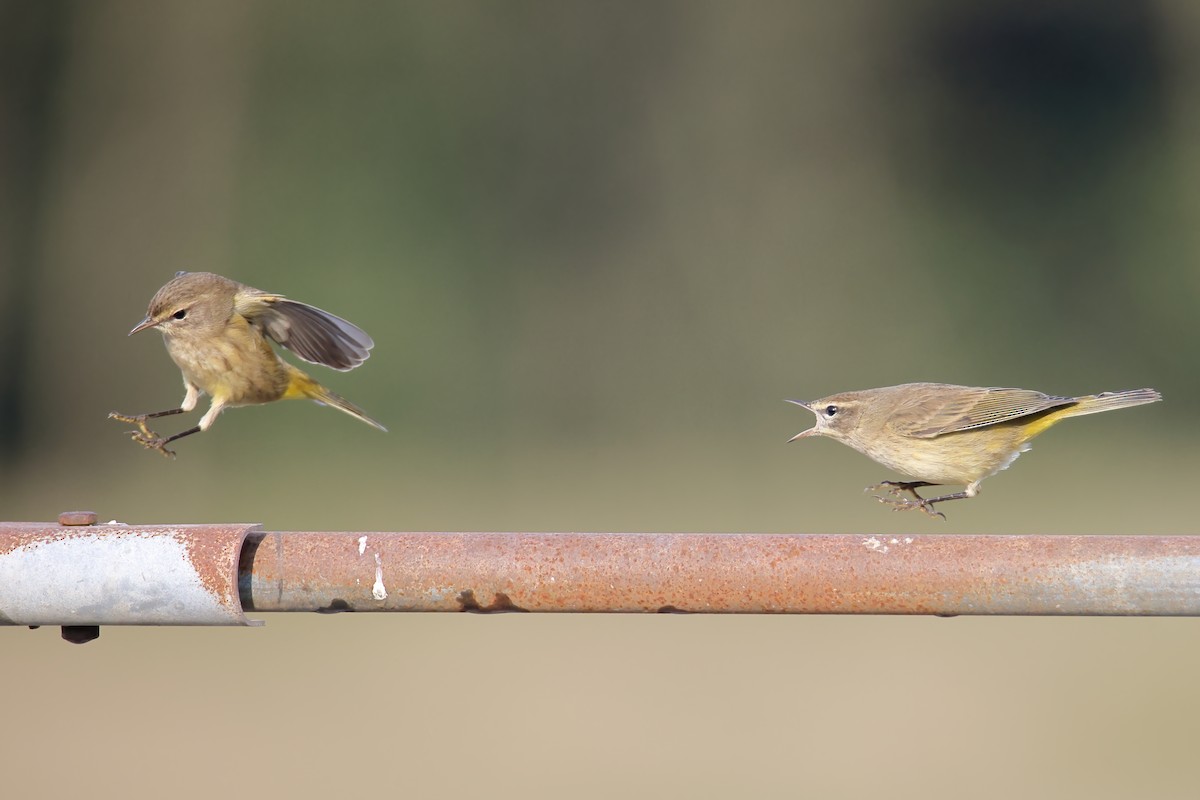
[300, 386]
[1033, 427]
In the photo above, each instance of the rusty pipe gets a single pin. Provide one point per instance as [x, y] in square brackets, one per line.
[722, 573]
[207, 574]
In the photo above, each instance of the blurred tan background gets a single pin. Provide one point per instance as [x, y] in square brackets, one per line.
[597, 244]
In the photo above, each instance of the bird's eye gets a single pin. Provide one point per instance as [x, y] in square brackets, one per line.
[830, 410]
[180, 314]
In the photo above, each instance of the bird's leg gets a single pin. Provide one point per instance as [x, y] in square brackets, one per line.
[151, 440]
[895, 488]
[140, 419]
[146, 437]
[160, 444]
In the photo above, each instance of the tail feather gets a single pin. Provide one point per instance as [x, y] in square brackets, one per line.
[302, 386]
[1109, 401]
[328, 398]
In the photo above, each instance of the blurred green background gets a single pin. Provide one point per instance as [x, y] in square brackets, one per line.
[597, 244]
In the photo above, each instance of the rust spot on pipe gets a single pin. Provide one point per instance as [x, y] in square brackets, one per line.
[337, 606]
[501, 603]
[211, 550]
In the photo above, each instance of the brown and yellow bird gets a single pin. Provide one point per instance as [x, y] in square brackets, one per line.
[939, 434]
[216, 331]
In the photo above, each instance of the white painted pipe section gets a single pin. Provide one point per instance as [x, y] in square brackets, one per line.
[119, 575]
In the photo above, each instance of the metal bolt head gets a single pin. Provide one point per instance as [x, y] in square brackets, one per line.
[80, 634]
[77, 518]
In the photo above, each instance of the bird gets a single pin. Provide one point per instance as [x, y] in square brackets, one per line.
[218, 332]
[938, 433]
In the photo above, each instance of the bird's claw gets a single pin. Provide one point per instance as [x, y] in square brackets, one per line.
[143, 435]
[901, 504]
[896, 488]
[152, 442]
[898, 503]
[139, 420]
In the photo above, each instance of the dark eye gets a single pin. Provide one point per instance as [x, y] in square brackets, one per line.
[830, 410]
[180, 314]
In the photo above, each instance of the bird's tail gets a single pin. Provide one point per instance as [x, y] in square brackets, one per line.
[1108, 401]
[302, 385]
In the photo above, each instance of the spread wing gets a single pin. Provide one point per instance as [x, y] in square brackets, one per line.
[968, 407]
[315, 335]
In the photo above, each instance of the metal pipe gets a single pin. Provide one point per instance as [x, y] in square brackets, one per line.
[722, 573]
[81, 575]
[78, 574]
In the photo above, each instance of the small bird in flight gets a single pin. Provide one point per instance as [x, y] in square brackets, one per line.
[216, 332]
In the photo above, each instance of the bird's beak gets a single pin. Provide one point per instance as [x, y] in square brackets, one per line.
[802, 434]
[148, 322]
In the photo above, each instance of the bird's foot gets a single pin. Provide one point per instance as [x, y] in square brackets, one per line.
[139, 420]
[896, 488]
[153, 442]
[899, 503]
[143, 435]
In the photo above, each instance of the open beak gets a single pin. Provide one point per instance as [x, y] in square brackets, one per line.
[802, 434]
[141, 326]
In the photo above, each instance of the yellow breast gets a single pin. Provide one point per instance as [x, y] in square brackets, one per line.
[237, 366]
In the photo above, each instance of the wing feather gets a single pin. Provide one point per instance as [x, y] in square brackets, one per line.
[941, 412]
[314, 335]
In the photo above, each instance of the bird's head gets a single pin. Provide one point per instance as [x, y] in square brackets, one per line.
[192, 304]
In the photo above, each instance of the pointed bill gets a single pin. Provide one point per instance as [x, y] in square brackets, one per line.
[801, 434]
[141, 326]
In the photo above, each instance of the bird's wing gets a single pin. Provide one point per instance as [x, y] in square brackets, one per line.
[964, 408]
[315, 335]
